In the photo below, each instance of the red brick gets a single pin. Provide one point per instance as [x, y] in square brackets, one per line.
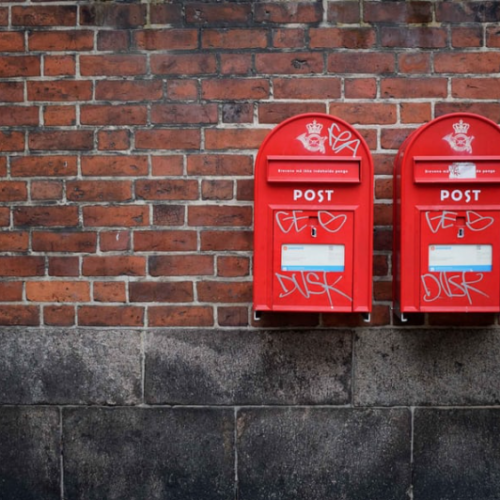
[415, 112]
[234, 39]
[419, 62]
[168, 139]
[47, 241]
[276, 112]
[183, 64]
[180, 90]
[114, 15]
[234, 138]
[467, 62]
[169, 215]
[226, 88]
[173, 189]
[110, 291]
[167, 165]
[59, 116]
[4, 216]
[220, 291]
[22, 266]
[110, 316]
[165, 241]
[365, 113]
[463, 12]
[289, 12]
[178, 291]
[475, 88]
[44, 166]
[59, 65]
[113, 115]
[237, 112]
[49, 216]
[113, 65]
[61, 40]
[14, 241]
[219, 215]
[289, 63]
[12, 41]
[202, 13]
[180, 316]
[46, 190]
[245, 189]
[397, 12]
[11, 291]
[59, 315]
[361, 62]
[467, 37]
[3, 166]
[184, 113]
[489, 110]
[232, 316]
[165, 13]
[11, 141]
[289, 38]
[343, 12]
[167, 39]
[114, 241]
[493, 37]
[360, 88]
[61, 140]
[119, 265]
[216, 190]
[307, 88]
[99, 190]
[414, 87]
[13, 191]
[226, 241]
[181, 265]
[64, 266]
[212, 164]
[382, 239]
[113, 140]
[382, 290]
[119, 216]
[57, 291]
[113, 40]
[64, 90]
[18, 116]
[46, 15]
[139, 90]
[380, 265]
[393, 138]
[11, 91]
[110, 166]
[231, 267]
[4, 16]
[421, 37]
[19, 315]
[349, 38]
[236, 64]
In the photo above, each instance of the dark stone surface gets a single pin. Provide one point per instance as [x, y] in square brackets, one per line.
[194, 367]
[144, 453]
[457, 454]
[69, 367]
[323, 454]
[427, 367]
[29, 453]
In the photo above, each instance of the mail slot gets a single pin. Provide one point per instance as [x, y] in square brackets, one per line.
[447, 217]
[313, 225]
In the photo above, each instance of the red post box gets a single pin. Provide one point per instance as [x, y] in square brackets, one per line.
[447, 217]
[313, 218]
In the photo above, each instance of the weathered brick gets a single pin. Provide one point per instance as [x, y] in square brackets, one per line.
[61, 41]
[245, 189]
[111, 165]
[43, 166]
[289, 12]
[169, 39]
[226, 240]
[11, 291]
[14, 241]
[12, 41]
[220, 291]
[59, 116]
[168, 139]
[137, 90]
[234, 138]
[167, 165]
[182, 90]
[22, 266]
[217, 189]
[414, 88]
[113, 65]
[307, 88]
[467, 12]
[19, 116]
[467, 37]
[114, 15]
[166, 14]
[64, 266]
[110, 316]
[418, 62]
[109, 291]
[361, 62]
[119, 265]
[169, 215]
[99, 190]
[224, 164]
[475, 88]
[232, 316]
[13, 191]
[114, 241]
[415, 112]
[236, 64]
[59, 65]
[230, 266]
[113, 115]
[276, 112]
[398, 12]
[360, 88]
[178, 291]
[17, 315]
[421, 37]
[19, 66]
[288, 38]
[180, 316]
[48, 216]
[44, 15]
[165, 241]
[198, 13]
[172, 189]
[181, 265]
[118, 216]
[46, 190]
[234, 39]
[59, 315]
[349, 38]
[57, 291]
[113, 40]
[183, 64]
[184, 113]
[467, 62]
[113, 140]
[219, 215]
[238, 112]
[64, 90]
[383, 113]
[11, 91]
[289, 63]
[61, 140]
[343, 12]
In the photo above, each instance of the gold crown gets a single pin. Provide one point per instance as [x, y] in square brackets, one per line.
[461, 127]
[314, 127]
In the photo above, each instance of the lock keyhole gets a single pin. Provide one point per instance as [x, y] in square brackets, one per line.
[313, 232]
[461, 232]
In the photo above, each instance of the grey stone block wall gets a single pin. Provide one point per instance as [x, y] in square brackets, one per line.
[367, 414]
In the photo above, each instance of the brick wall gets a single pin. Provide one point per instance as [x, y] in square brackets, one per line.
[128, 133]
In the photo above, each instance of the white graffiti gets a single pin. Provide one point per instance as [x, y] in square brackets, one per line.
[460, 141]
[309, 284]
[451, 285]
[294, 221]
[447, 219]
[339, 140]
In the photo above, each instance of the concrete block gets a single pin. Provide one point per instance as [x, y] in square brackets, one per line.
[69, 367]
[234, 367]
[323, 454]
[30, 453]
[457, 454]
[148, 454]
[427, 367]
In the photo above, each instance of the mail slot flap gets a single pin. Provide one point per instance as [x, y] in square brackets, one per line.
[313, 169]
[456, 169]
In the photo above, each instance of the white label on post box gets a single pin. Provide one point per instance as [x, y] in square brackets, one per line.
[313, 258]
[462, 170]
[460, 258]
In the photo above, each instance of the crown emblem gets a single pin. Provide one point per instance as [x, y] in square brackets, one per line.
[314, 127]
[461, 127]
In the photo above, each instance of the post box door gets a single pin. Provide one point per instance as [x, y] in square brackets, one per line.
[459, 260]
[313, 259]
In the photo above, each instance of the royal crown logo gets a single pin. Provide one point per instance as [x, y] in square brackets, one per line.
[460, 141]
[461, 127]
[313, 141]
[314, 127]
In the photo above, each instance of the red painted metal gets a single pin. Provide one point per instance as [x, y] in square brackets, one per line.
[313, 226]
[447, 217]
